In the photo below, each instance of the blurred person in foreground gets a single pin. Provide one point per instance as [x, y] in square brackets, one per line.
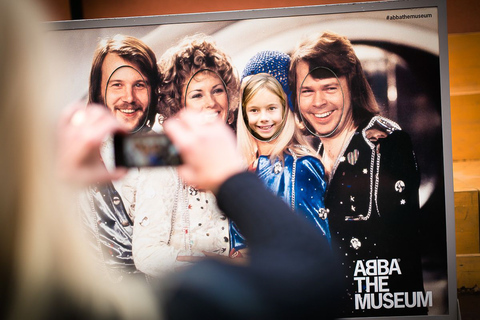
[292, 272]
[46, 271]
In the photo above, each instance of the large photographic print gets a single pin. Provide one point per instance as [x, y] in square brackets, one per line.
[367, 85]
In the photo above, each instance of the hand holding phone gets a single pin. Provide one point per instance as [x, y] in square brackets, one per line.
[80, 133]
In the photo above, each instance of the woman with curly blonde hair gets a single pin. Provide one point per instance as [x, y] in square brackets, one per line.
[197, 74]
[176, 224]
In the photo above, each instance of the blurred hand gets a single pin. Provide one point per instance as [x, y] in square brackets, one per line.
[208, 149]
[81, 131]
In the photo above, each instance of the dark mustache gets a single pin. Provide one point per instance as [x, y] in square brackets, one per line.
[127, 105]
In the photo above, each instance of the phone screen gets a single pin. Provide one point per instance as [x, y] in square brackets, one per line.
[145, 150]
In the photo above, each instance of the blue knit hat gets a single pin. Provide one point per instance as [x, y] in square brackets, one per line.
[275, 63]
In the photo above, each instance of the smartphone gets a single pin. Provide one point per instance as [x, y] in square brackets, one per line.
[145, 150]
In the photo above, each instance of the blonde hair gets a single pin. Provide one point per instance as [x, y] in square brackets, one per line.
[133, 50]
[336, 53]
[288, 140]
[178, 64]
[45, 267]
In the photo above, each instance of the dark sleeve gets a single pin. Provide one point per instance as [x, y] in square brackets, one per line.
[291, 262]
[265, 220]
[399, 180]
[398, 205]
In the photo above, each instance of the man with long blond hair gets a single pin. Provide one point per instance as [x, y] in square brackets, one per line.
[373, 180]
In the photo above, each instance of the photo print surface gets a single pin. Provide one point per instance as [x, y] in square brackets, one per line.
[386, 206]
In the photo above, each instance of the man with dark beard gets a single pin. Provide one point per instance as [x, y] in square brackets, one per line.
[124, 77]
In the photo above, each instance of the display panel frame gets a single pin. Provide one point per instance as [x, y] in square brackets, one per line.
[76, 40]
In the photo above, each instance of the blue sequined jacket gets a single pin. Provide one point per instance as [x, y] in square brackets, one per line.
[301, 183]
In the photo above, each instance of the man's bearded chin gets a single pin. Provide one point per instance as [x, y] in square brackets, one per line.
[141, 121]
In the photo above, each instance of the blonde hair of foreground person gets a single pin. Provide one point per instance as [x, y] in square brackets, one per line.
[46, 270]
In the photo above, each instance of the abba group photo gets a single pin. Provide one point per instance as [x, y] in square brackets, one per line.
[339, 114]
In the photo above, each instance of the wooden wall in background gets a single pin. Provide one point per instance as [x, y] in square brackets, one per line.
[464, 47]
[464, 64]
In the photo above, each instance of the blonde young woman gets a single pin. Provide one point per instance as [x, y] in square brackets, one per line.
[273, 147]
